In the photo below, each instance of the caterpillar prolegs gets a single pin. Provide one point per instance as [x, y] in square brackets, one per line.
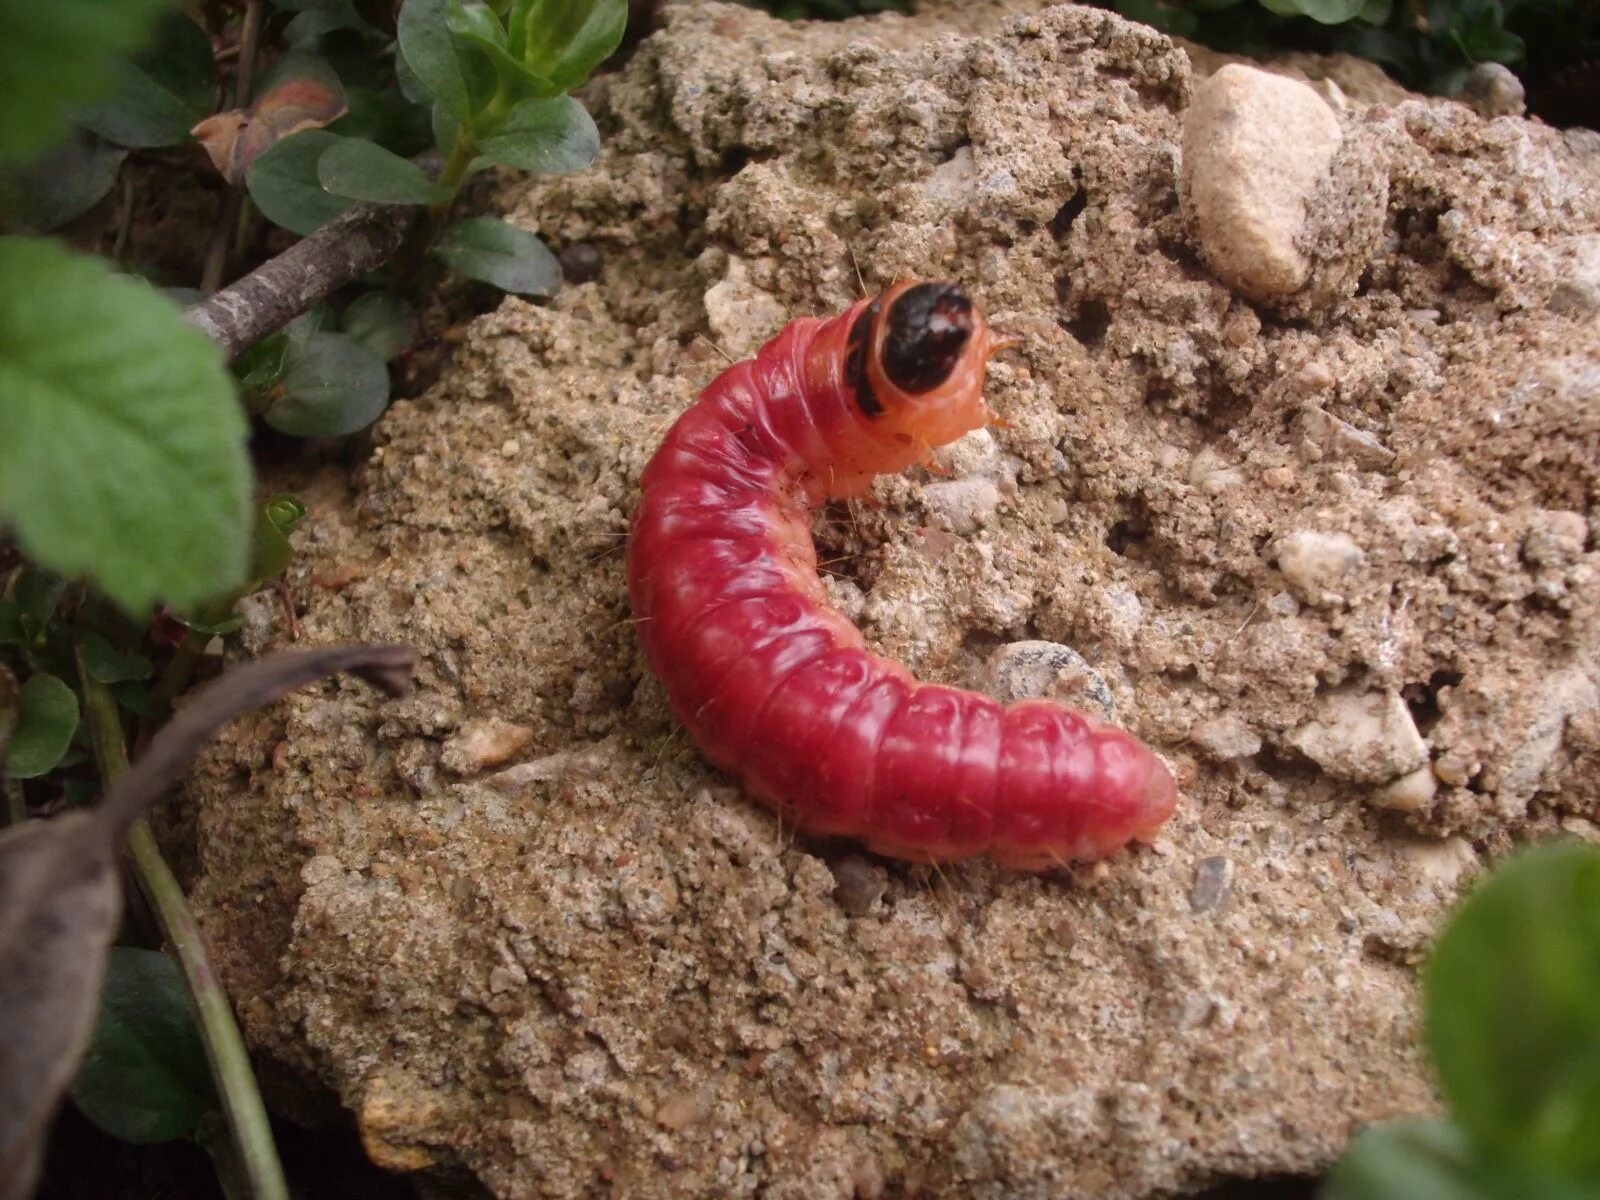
[776, 686]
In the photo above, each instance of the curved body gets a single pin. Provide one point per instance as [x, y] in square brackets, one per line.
[776, 686]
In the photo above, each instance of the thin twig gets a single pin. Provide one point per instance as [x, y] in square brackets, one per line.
[131, 789]
[119, 248]
[219, 1032]
[276, 292]
[236, 692]
[451, 176]
[225, 233]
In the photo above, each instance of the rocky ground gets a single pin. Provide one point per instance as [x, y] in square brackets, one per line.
[1301, 456]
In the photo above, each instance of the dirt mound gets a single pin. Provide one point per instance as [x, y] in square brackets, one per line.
[1332, 551]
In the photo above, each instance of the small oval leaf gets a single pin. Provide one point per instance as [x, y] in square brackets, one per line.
[554, 137]
[106, 663]
[283, 183]
[564, 40]
[456, 73]
[162, 91]
[382, 322]
[362, 170]
[333, 387]
[47, 717]
[512, 259]
[144, 1076]
[62, 185]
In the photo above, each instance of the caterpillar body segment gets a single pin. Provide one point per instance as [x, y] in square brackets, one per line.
[776, 686]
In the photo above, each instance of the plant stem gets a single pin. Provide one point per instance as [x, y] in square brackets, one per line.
[180, 669]
[225, 1050]
[119, 249]
[230, 220]
[410, 258]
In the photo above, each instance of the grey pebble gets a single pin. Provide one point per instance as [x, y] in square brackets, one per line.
[1213, 880]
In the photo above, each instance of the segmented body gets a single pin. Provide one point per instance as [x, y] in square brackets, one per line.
[776, 686]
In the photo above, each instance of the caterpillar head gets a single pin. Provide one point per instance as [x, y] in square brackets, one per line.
[915, 359]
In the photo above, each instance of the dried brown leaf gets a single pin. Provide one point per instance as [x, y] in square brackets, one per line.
[60, 904]
[236, 138]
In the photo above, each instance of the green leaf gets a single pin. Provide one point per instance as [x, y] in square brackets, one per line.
[553, 136]
[1160, 16]
[387, 118]
[312, 25]
[283, 183]
[229, 624]
[382, 322]
[472, 22]
[455, 72]
[1513, 1012]
[162, 92]
[134, 697]
[360, 170]
[60, 54]
[275, 521]
[263, 364]
[122, 448]
[11, 631]
[412, 88]
[1325, 12]
[60, 186]
[512, 259]
[333, 387]
[445, 128]
[1406, 1160]
[47, 717]
[37, 594]
[106, 663]
[564, 40]
[144, 1076]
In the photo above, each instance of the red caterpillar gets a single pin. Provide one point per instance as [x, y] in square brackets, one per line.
[776, 686]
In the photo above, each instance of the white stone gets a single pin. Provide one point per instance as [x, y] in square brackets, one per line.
[1255, 146]
[961, 505]
[1226, 738]
[1364, 737]
[1316, 562]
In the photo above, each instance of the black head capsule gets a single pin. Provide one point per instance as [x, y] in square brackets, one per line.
[928, 329]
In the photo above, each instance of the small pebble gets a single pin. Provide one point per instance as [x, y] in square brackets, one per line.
[1316, 562]
[1494, 91]
[858, 884]
[1454, 770]
[1255, 146]
[580, 262]
[1577, 290]
[482, 743]
[1364, 737]
[1410, 793]
[679, 1111]
[1213, 880]
[1226, 738]
[1334, 438]
[1047, 670]
[961, 505]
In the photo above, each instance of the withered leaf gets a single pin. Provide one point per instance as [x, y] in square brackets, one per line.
[301, 93]
[60, 904]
